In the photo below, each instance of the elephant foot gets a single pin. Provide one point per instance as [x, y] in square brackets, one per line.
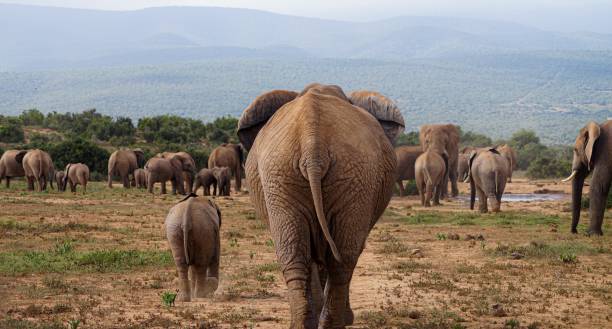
[574, 230]
[209, 287]
[595, 232]
[349, 317]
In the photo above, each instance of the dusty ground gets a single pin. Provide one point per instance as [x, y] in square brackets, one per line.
[102, 260]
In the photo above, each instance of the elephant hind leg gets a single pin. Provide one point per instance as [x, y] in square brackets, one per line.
[482, 201]
[400, 186]
[126, 180]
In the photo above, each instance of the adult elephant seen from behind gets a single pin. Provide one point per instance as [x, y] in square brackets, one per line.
[75, 174]
[321, 169]
[487, 175]
[592, 155]
[38, 167]
[444, 140]
[231, 156]
[122, 163]
[11, 165]
[160, 170]
[406, 158]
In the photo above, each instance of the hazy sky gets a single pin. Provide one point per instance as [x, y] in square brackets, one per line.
[563, 15]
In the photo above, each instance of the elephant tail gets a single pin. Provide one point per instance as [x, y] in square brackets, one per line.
[187, 225]
[314, 178]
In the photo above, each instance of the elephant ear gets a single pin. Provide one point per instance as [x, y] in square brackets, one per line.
[140, 157]
[255, 116]
[591, 133]
[19, 156]
[176, 163]
[383, 109]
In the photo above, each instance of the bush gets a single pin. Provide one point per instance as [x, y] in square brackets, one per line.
[200, 156]
[80, 150]
[11, 130]
[523, 137]
[549, 167]
[32, 117]
[171, 129]
[473, 139]
[411, 138]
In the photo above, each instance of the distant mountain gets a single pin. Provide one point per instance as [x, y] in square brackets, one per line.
[33, 37]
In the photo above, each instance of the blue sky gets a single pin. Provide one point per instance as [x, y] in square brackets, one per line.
[561, 15]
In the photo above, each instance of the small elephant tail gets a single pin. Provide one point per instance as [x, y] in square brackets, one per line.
[186, 224]
[314, 178]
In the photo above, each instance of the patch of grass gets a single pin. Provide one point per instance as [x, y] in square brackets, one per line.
[409, 266]
[11, 323]
[168, 298]
[10, 226]
[64, 258]
[535, 249]
[392, 246]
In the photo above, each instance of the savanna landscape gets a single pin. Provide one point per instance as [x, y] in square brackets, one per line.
[102, 260]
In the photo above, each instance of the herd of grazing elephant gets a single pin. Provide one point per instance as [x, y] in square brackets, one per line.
[321, 169]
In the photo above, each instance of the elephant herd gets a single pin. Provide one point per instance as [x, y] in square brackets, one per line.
[321, 169]
[226, 161]
[38, 169]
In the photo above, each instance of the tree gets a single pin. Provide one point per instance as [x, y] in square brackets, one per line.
[80, 150]
[476, 140]
[11, 130]
[523, 137]
[411, 138]
[32, 117]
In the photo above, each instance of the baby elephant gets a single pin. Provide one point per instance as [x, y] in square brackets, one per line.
[192, 230]
[59, 179]
[223, 176]
[206, 179]
[429, 170]
[75, 173]
[140, 178]
[488, 172]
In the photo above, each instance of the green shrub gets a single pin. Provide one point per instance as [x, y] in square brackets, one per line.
[32, 117]
[411, 138]
[549, 167]
[80, 150]
[473, 139]
[171, 129]
[11, 130]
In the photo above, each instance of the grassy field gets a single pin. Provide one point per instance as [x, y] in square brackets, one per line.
[101, 261]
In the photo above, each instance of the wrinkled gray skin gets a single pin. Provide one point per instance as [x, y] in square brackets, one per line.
[592, 155]
[462, 166]
[38, 166]
[189, 167]
[320, 186]
[488, 175]
[429, 172]
[206, 180]
[122, 163]
[406, 157]
[160, 170]
[192, 229]
[75, 174]
[231, 156]
[222, 180]
[140, 178]
[11, 165]
[59, 179]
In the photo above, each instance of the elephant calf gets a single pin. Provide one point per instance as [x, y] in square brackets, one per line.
[75, 173]
[59, 179]
[192, 230]
[205, 179]
[223, 177]
[429, 170]
[140, 178]
[488, 173]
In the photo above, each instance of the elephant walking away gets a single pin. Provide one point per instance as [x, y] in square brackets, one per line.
[223, 180]
[140, 178]
[429, 172]
[75, 174]
[488, 173]
[406, 157]
[592, 155]
[205, 179]
[320, 186]
[11, 165]
[193, 229]
[444, 140]
[189, 167]
[122, 163]
[231, 156]
[59, 179]
[37, 166]
[510, 154]
[160, 170]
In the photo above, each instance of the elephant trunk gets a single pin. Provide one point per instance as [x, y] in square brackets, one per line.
[577, 185]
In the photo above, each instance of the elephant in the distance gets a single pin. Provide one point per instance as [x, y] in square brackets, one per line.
[140, 178]
[463, 166]
[38, 167]
[75, 174]
[222, 180]
[161, 170]
[488, 173]
[205, 179]
[510, 154]
[189, 167]
[231, 156]
[11, 165]
[122, 163]
[444, 140]
[193, 233]
[430, 169]
[320, 186]
[592, 155]
[406, 157]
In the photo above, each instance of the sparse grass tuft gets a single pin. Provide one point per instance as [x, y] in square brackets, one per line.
[565, 251]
